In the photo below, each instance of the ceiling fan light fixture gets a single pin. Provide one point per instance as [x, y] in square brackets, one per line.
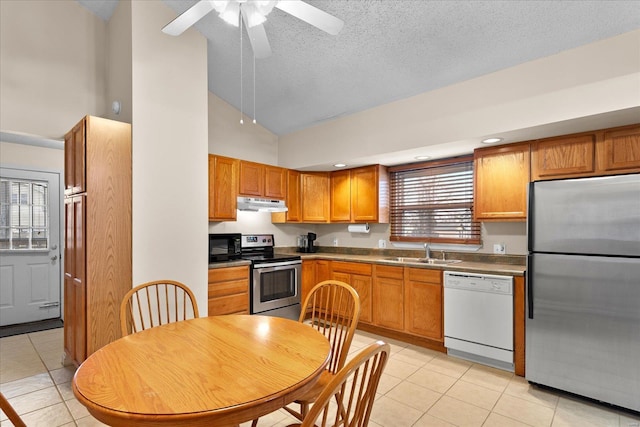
[231, 13]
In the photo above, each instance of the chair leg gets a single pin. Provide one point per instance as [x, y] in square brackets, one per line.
[298, 415]
[254, 423]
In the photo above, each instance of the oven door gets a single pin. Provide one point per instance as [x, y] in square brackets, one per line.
[275, 285]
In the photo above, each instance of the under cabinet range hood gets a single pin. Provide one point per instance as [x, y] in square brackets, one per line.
[254, 204]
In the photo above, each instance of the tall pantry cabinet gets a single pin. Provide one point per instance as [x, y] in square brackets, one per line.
[97, 255]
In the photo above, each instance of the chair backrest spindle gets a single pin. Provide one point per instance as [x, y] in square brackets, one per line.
[156, 303]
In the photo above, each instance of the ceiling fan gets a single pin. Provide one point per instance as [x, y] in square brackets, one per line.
[253, 14]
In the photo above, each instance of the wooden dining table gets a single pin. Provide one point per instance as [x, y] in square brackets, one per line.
[213, 371]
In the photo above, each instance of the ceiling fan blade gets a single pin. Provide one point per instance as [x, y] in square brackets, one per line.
[188, 18]
[312, 15]
[258, 39]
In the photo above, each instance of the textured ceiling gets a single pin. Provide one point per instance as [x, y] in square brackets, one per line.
[388, 50]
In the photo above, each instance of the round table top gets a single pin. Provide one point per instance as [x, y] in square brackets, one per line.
[219, 370]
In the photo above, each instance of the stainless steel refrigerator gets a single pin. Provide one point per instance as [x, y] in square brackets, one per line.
[583, 287]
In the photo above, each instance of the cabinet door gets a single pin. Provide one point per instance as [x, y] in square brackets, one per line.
[501, 178]
[563, 157]
[251, 179]
[364, 197]
[308, 278]
[388, 297]
[75, 279]
[340, 184]
[622, 150]
[293, 196]
[275, 182]
[75, 159]
[424, 309]
[362, 285]
[315, 197]
[223, 188]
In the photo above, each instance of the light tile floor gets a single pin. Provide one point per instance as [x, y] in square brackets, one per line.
[419, 388]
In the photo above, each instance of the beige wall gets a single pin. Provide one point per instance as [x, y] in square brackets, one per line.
[52, 66]
[170, 167]
[227, 137]
[119, 62]
[30, 156]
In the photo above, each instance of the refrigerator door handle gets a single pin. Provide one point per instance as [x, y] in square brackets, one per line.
[529, 225]
[529, 278]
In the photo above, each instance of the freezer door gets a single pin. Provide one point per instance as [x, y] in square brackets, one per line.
[586, 216]
[584, 336]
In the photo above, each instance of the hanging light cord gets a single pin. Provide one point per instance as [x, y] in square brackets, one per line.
[254, 88]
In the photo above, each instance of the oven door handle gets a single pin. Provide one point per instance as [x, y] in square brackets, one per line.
[274, 265]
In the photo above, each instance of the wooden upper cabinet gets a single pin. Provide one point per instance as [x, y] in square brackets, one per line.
[563, 157]
[260, 180]
[340, 183]
[360, 195]
[251, 179]
[293, 199]
[501, 178]
[370, 194]
[75, 159]
[621, 150]
[275, 182]
[223, 188]
[315, 196]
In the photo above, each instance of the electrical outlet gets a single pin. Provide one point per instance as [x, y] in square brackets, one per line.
[382, 243]
[499, 248]
[335, 241]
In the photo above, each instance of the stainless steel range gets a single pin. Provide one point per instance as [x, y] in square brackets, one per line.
[275, 278]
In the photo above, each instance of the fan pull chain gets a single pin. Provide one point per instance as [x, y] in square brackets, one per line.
[254, 88]
[241, 93]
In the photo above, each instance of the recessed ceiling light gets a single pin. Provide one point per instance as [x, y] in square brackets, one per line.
[422, 157]
[339, 165]
[491, 140]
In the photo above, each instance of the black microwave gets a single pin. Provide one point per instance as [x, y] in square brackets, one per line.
[224, 247]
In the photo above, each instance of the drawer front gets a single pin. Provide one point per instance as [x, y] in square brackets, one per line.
[227, 274]
[231, 304]
[390, 272]
[424, 275]
[351, 267]
[228, 288]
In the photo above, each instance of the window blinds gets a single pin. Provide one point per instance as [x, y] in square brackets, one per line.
[434, 203]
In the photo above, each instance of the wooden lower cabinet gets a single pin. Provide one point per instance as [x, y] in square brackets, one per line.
[424, 303]
[228, 290]
[308, 280]
[388, 297]
[358, 275]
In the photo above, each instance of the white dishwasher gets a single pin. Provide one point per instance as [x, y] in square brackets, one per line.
[478, 318]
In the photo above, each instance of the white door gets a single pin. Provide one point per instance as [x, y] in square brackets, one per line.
[30, 267]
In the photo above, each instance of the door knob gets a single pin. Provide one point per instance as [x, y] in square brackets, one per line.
[55, 257]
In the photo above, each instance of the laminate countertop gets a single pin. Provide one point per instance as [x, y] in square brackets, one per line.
[482, 267]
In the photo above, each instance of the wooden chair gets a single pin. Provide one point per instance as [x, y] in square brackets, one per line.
[333, 308]
[354, 388]
[156, 303]
[10, 412]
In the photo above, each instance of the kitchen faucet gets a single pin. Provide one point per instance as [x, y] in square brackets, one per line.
[427, 251]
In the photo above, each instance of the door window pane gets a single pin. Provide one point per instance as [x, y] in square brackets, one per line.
[24, 214]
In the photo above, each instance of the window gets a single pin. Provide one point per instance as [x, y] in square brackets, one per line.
[433, 202]
[24, 215]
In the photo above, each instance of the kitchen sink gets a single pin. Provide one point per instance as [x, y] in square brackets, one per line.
[440, 261]
[432, 261]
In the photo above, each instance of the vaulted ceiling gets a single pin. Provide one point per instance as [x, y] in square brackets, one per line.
[388, 50]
